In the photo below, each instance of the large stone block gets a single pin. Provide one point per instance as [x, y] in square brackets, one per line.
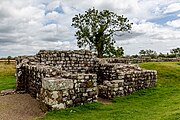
[55, 84]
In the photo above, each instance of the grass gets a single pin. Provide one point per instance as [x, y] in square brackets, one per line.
[158, 103]
[7, 76]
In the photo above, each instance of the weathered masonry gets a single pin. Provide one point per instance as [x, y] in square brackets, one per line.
[61, 79]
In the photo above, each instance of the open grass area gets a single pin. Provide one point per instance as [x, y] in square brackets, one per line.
[158, 103]
[7, 76]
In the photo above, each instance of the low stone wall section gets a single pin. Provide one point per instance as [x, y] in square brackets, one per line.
[127, 84]
[119, 79]
[140, 60]
[77, 89]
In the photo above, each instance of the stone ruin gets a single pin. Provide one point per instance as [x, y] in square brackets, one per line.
[60, 79]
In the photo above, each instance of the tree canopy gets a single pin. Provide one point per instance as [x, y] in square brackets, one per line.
[175, 51]
[96, 29]
[148, 53]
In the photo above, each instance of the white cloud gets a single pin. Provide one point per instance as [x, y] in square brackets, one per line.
[172, 8]
[53, 4]
[174, 23]
[25, 29]
[149, 35]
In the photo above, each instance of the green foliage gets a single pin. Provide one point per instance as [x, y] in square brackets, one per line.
[148, 53]
[158, 103]
[142, 52]
[175, 52]
[89, 84]
[161, 55]
[96, 29]
[170, 56]
[114, 52]
[9, 58]
[134, 56]
[7, 76]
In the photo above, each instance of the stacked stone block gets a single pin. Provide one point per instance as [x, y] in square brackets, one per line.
[118, 79]
[61, 79]
[67, 75]
[77, 89]
[73, 61]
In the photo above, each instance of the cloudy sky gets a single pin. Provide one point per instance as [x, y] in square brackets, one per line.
[26, 26]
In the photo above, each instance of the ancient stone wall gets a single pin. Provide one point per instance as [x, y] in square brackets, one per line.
[119, 79]
[58, 78]
[61, 79]
[76, 89]
[140, 60]
[73, 61]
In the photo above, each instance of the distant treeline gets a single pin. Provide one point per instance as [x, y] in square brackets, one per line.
[7, 58]
[174, 53]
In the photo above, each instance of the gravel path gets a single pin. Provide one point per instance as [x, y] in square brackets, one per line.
[19, 107]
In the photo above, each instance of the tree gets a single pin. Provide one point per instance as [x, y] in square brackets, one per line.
[142, 52]
[9, 58]
[97, 28]
[151, 53]
[161, 55]
[175, 51]
[148, 53]
[114, 52]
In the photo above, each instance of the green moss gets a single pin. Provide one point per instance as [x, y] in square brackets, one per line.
[89, 84]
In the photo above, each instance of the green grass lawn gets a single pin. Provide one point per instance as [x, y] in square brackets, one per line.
[7, 76]
[158, 103]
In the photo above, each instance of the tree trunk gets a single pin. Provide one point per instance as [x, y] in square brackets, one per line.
[8, 61]
[100, 50]
[100, 54]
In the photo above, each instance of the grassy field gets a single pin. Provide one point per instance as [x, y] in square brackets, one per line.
[7, 76]
[158, 103]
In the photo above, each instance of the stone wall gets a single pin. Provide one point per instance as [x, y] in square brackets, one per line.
[74, 61]
[76, 89]
[58, 78]
[119, 79]
[140, 60]
[61, 79]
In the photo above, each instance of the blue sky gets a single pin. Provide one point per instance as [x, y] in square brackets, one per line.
[26, 26]
[165, 18]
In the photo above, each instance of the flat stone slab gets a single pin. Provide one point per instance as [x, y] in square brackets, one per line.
[55, 84]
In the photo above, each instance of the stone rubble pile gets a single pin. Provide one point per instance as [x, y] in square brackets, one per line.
[60, 79]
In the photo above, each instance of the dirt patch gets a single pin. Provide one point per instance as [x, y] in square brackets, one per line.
[19, 107]
[104, 101]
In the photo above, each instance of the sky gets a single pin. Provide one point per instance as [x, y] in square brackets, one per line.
[27, 26]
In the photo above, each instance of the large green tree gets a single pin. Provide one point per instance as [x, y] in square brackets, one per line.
[96, 29]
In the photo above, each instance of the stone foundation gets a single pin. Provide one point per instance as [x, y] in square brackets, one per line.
[61, 79]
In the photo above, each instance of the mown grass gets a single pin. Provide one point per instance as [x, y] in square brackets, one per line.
[7, 76]
[158, 103]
